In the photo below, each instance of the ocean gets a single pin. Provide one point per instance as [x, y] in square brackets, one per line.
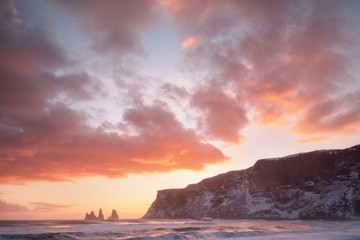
[180, 229]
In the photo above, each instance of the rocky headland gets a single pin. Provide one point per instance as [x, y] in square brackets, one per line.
[323, 184]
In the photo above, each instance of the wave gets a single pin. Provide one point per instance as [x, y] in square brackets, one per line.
[179, 229]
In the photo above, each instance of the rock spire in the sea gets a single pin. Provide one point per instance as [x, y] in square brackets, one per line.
[92, 216]
[114, 215]
[101, 215]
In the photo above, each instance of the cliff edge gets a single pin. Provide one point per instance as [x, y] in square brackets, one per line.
[318, 184]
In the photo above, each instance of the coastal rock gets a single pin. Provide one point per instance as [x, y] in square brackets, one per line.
[318, 184]
[101, 215]
[93, 217]
[90, 216]
[114, 215]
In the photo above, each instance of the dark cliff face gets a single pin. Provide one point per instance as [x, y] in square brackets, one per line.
[319, 184]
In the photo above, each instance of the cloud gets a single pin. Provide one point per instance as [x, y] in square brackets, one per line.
[288, 62]
[46, 136]
[191, 41]
[174, 92]
[26, 49]
[42, 206]
[12, 207]
[8, 15]
[113, 27]
[333, 114]
[44, 139]
[64, 149]
[7, 207]
[224, 116]
[279, 62]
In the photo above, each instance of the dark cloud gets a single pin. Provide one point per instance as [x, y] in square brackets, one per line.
[174, 92]
[114, 26]
[26, 49]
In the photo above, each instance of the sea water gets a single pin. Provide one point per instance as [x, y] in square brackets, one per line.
[180, 229]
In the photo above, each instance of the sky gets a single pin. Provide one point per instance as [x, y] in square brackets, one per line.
[103, 103]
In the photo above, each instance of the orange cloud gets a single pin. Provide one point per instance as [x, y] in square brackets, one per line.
[64, 148]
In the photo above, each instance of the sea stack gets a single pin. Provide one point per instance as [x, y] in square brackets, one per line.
[114, 215]
[93, 217]
[101, 215]
[90, 216]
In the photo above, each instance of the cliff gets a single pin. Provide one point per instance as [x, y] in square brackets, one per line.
[318, 184]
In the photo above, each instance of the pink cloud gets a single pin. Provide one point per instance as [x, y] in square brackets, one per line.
[44, 138]
[332, 115]
[191, 41]
[283, 60]
[42, 206]
[224, 115]
[6, 207]
[174, 92]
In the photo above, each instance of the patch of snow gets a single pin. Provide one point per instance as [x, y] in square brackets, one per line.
[288, 156]
[309, 183]
[310, 196]
[206, 199]
[349, 194]
[332, 152]
[354, 175]
[256, 204]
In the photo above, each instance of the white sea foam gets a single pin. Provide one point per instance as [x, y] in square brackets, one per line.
[180, 229]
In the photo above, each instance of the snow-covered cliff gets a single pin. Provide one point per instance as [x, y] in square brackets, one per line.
[319, 184]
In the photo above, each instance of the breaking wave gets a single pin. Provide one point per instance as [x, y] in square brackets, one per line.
[179, 229]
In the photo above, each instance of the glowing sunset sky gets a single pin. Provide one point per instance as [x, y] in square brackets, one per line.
[102, 103]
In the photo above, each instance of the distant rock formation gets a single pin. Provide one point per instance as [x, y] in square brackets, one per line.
[320, 184]
[92, 216]
[101, 215]
[114, 215]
